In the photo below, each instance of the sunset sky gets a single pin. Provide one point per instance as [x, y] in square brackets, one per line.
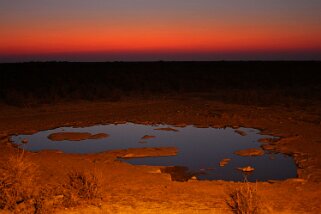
[130, 30]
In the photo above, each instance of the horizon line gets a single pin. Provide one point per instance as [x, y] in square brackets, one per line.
[154, 61]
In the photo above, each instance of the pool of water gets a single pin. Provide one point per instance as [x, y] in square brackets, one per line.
[199, 149]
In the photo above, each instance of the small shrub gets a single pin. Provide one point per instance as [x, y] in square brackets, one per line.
[20, 193]
[245, 199]
[48, 199]
[83, 186]
[17, 179]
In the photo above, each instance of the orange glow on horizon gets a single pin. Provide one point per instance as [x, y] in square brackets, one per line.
[159, 38]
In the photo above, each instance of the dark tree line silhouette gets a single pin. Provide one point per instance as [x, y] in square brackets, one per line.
[260, 83]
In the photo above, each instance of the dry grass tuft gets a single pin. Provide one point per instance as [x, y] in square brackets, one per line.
[17, 178]
[245, 199]
[83, 186]
[48, 199]
[21, 193]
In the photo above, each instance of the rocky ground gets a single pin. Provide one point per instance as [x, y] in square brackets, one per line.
[144, 189]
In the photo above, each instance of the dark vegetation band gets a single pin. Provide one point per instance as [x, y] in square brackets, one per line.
[261, 83]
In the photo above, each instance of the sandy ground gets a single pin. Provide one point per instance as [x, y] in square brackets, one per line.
[142, 189]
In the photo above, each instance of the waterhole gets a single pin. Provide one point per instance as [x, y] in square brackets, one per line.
[201, 151]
